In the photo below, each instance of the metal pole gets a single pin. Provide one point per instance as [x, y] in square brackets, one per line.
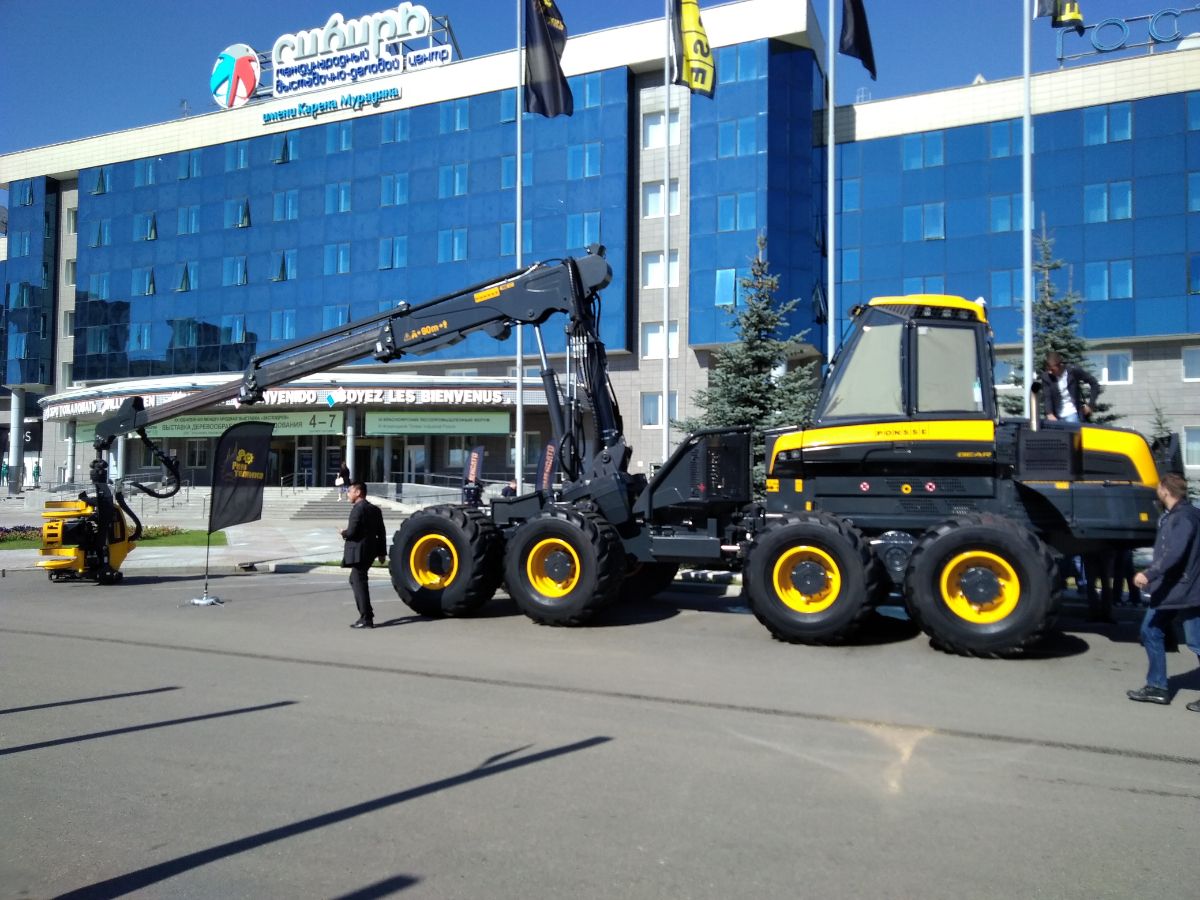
[666, 303]
[519, 444]
[830, 253]
[1027, 214]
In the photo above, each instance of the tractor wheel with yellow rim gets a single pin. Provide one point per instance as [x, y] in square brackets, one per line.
[445, 561]
[563, 565]
[809, 577]
[982, 585]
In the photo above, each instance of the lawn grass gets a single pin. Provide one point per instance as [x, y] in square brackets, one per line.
[180, 538]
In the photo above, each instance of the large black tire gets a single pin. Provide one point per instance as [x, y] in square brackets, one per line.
[563, 565]
[645, 580]
[445, 561]
[982, 585]
[809, 578]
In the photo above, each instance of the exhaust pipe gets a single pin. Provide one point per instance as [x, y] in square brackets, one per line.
[1034, 420]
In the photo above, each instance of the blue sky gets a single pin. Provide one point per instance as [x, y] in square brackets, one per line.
[76, 68]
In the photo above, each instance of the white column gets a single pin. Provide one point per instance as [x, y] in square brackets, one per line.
[118, 466]
[351, 416]
[16, 439]
[70, 474]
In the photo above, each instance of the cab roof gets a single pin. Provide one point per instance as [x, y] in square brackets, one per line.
[933, 306]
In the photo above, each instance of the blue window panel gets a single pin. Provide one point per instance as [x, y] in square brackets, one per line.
[339, 136]
[334, 315]
[283, 324]
[747, 136]
[394, 126]
[725, 288]
[851, 192]
[747, 213]
[1095, 281]
[912, 151]
[237, 156]
[1095, 125]
[935, 284]
[934, 149]
[337, 197]
[286, 205]
[850, 265]
[1194, 274]
[393, 252]
[233, 271]
[283, 265]
[935, 221]
[914, 285]
[1000, 216]
[508, 106]
[189, 220]
[1193, 192]
[145, 173]
[1000, 139]
[337, 259]
[1121, 279]
[508, 172]
[187, 277]
[1001, 294]
[748, 60]
[726, 212]
[285, 147]
[1120, 122]
[726, 63]
[142, 281]
[393, 189]
[913, 223]
[1095, 203]
[1193, 111]
[1120, 200]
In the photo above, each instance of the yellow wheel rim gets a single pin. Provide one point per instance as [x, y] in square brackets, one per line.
[537, 568]
[1006, 599]
[420, 559]
[793, 598]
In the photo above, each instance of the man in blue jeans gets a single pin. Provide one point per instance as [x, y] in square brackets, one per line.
[1173, 582]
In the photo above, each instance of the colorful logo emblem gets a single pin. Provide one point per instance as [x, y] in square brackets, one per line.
[234, 76]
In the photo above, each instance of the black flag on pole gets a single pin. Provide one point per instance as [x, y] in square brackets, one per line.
[691, 56]
[1066, 14]
[546, 90]
[239, 474]
[856, 36]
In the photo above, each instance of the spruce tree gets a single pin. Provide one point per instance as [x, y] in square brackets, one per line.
[747, 381]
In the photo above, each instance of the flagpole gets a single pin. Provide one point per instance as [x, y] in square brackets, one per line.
[830, 255]
[519, 444]
[666, 303]
[1027, 213]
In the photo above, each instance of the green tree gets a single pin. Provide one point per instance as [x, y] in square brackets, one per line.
[748, 382]
[1055, 327]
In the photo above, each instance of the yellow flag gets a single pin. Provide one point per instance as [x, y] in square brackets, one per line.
[691, 57]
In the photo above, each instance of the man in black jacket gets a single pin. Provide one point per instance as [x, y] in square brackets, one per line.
[1062, 393]
[366, 540]
[1173, 581]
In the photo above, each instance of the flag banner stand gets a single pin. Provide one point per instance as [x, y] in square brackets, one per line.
[238, 478]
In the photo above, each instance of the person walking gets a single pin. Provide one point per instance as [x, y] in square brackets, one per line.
[366, 541]
[1062, 394]
[342, 481]
[1172, 583]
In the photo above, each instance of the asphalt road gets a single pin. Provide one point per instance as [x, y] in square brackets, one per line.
[262, 749]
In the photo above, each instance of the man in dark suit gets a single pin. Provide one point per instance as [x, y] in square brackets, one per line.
[1173, 582]
[1062, 390]
[366, 540]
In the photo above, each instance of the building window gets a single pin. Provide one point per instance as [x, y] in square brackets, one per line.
[652, 129]
[652, 412]
[284, 147]
[1191, 446]
[925, 222]
[1107, 202]
[142, 282]
[583, 229]
[922, 151]
[237, 213]
[197, 454]
[1112, 366]
[233, 329]
[393, 190]
[1194, 274]
[101, 237]
[725, 290]
[98, 286]
[139, 336]
[452, 245]
[851, 194]
[393, 252]
[508, 237]
[737, 137]
[462, 373]
[69, 271]
[583, 160]
[587, 87]
[1007, 213]
[508, 106]
[1007, 287]
[395, 127]
[68, 374]
[103, 180]
[189, 220]
[145, 227]
[237, 155]
[189, 164]
[19, 295]
[286, 205]
[452, 180]
[187, 276]
[652, 340]
[337, 259]
[1111, 280]
[1107, 124]
[145, 172]
[97, 339]
[185, 333]
[736, 212]
[652, 269]
[337, 197]
[20, 245]
[339, 136]
[454, 115]
[652, 192]
[925, 284]
[335, 316]
[1193, 192]
[22, 193]
[73, 220]
[1191, 363]
[233, 271]
[850, 264]
[283, 324]
[1193, 111]
[508, 171]
[283, 265]
[1005, 139]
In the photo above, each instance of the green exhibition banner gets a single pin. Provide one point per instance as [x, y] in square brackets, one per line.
[286, 424]
[438, 422]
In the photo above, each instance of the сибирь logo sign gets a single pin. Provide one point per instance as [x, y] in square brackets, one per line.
[234, 76]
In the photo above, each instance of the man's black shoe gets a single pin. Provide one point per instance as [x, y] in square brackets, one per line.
[1150, 694]
[363, 623]
[1194, 706]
